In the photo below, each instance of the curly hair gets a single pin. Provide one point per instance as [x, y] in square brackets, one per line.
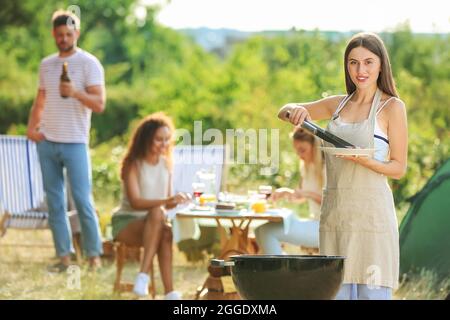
[142, 141]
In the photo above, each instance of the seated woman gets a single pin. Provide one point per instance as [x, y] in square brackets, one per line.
[146, 184]
[301, 232]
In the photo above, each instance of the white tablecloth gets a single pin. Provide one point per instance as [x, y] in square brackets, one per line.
[183, 228]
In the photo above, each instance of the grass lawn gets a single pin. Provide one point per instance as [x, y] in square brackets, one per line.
[23, 274]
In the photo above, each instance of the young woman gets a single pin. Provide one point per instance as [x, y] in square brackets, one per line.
[146, 179]
[301, 232]
[358, 217]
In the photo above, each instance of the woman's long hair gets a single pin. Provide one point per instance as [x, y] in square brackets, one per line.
[301, 134]
[374, 44]
[142, 141]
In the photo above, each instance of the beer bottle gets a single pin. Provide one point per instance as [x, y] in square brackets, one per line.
[64, 75]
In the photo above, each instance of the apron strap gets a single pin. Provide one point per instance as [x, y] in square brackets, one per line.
[375, 103]
[342, 105]
[384, 104]
[373, 108]
[373, 116]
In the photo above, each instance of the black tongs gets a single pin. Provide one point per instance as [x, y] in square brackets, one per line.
[323, 134]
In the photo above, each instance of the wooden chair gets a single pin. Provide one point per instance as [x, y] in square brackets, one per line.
[21, 187]
[126, 253]
[187, 161]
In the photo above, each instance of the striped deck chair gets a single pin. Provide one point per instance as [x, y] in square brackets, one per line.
[22, 197]
[21, 188]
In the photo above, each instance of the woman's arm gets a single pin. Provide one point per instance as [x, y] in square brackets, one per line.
[300, 194]
[176, 199]
[131, 185]
[395, 167]
[169, 194]
[296, 196]
[316, 110]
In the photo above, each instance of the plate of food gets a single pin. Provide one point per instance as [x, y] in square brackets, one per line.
[227, 208]
[358, 152]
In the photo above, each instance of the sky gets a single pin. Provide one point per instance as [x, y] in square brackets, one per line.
[337, 15]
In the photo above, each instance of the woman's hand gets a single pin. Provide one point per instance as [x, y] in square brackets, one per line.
[177, 199]
[300, 194]
[180, 198]
[297, 114]
[297, 195]
[282, 193]
[356, 159]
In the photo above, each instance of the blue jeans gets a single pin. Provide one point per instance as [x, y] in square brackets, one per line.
[301, 232]
[74, 157]
[353, 291]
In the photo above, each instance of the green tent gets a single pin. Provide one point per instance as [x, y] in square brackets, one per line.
[425, 230]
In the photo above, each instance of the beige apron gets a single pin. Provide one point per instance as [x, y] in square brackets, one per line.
[358, 217]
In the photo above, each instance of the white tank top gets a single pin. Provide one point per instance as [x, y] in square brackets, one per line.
[154, 183]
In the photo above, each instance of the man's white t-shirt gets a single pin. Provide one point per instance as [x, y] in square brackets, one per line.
[68, 120]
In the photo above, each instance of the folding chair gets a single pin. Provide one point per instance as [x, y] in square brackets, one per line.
[21, 187]
[187, 161]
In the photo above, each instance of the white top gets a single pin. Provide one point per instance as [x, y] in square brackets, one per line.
[154, 183]
[381, 140]
[68, 120]
[310, 183]
[380, 143]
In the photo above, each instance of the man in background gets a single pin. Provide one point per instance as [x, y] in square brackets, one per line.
[59, 123]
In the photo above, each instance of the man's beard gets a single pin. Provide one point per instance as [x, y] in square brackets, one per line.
[66, 49]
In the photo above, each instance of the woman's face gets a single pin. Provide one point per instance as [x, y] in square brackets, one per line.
[364, 67]
[161, 141]
[304, 150]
